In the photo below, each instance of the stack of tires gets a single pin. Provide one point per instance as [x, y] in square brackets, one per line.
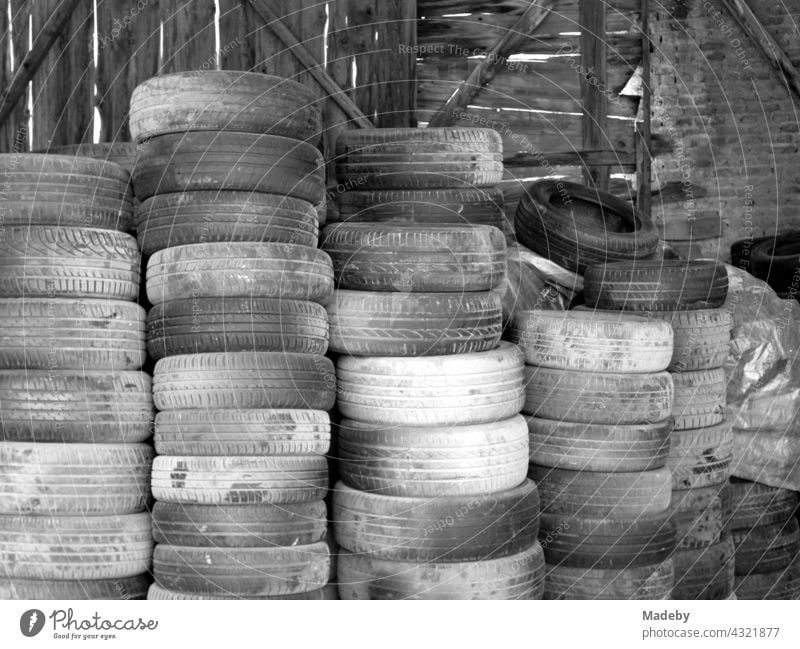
[767, 541]
[76, 407]
[228, 177]
[690, 297]
[433, 501]
[600, 406]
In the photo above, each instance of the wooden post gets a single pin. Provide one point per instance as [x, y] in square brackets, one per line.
[593, 84]
[644, 160]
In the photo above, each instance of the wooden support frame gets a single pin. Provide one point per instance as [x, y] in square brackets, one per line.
[593, 78]
[644, 161]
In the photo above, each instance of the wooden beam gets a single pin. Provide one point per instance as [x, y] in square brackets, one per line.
[644, 160]
[594, 76]
[266, 10]
[595, 158]
[35, 56]
[479, 78]
[762, 39]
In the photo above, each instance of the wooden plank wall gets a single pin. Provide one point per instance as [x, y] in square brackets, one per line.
[366, 45]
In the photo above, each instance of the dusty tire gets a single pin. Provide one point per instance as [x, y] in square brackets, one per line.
[518, 576]
[242, 432]
[216, 100]
[381, 257]
[589, 342]
[778, 584]
[244, 380]
[602, 495]
[239, 526]
[776, 260]
[433, 462]
[469, 206]
[124, 154]
[66, 191]
[699, 399]
[42, 261]
[182, 218]
[92, 334]
[576, 226]
[459, 389]
[638, 583]
[598, 447]
[75, 547]
[247, 572]
[414, 158]
[254, 270]
[755, 504]
[370, 323]
[327, 592]
[225, 161]
[597, 398]
[663, 285]
[702, 338]
[701, 457]
[75, 406]
[704, 573]
[700, 516]
[449, 528]
[767, 548]
[202, 325]
[241, 480]
[122, 588]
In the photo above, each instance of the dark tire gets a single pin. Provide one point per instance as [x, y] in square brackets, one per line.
[65, 191]
[702, 338]
[379, 257]
[778, 584]
[597, 398]
[637, 583]
[663, 285]
[239, 526]
[124, 154]
[701, 457]
[244, 380]
[253, 270]
[433, 462]
[777, 261]
[224, 100]
[122, 588]
[767, 548]
[699, 399]
[327, 592]
[87, 406]
[754, 504]
[576, 226]
[700, 516]
[200, 325]
[242, 432]
[181, 218]
[518, 576]
[370, 323]
[225, 161]
[704, 573]
[448, 528]
[598, 447]
[43, 261]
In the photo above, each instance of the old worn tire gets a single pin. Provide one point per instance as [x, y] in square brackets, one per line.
[44, 261]
[244, 380]
[124, 154]
[433, 462]
[458, 389]
[225, 161]
[92, 334]
[702, 338]
[238, 480]
[699, 398]
[599, 447]
[700, 516]
[201, 325]
[591, 342]
[597, 398]
[371, 323]
[601, 494]
[635, 583]
[415, 158]
[241, 572]
[755, 504]
[577, 226]
[229, 100]
[704, 573]
[276, 270]
[242, 432]
[468, 206]
[447, 528]
[122, 588]
[75, 547]
[517, 576]
[181, 218]
[67, 191]
[767, 548]
[424, 258]
[778, 584]
[606, 543]
[89, 406]
[701, 457]
[776, 260]
[662, 285]
[327, 592]
[239, 526]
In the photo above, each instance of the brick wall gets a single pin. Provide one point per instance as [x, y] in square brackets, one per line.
[730, 119]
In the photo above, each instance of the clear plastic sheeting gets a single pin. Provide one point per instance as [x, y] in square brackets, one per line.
[763, 392]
